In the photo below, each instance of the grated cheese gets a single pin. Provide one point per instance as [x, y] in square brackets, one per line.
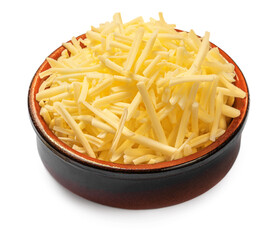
[134, 49]
[194, 78]
[74, 126]
[117, 134]
[152, 114]
[138, 92]
[146, 51]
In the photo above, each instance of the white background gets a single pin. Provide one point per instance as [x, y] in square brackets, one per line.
[34, 206]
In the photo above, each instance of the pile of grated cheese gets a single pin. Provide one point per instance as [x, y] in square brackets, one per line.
[138, 93]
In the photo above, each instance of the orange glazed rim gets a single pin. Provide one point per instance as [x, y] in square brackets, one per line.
[47, 135]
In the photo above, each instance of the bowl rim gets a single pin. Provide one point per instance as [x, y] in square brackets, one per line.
[47, 135]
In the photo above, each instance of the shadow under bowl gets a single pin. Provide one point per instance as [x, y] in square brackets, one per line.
[138, 186]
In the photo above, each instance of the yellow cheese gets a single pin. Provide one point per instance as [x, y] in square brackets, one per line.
[166, 95]
[111, 115]
[204, 138]
[70, 47]
[169, 36]
[137, 99]
[84, 90]
[108, 29]
[213, 97]
[204, 48]
[122, 39]
[146, 51]
[66, 77]
[110, 64]
[69, 70]
[54, 64]
[205, 117]
[134, 49]
[91, 139]
[95, 122]
[133, 136]
[63, 130]
[61, 96]
[121, 78]
[217, 67]
[152, 114]
[214, 55]
[111, 99]
[237, 91]
[193, 78]
[117, 134]
[76, 90]
[164, 112]
[138, 151]
[153, 97]
[186, 114]
[195, 39]
[151, 66]
[180, 55]
[127, 144]
[95, 36]
[157, 160]
[206, 91]
[45, 114]
[74, 126]
[195, 118]
[100, 87]
[178, 152]
[219, 101]
[119, 45]
[138, 92]
[143, 159]
[230, 111]
[161, 18]
[78, 148]
[50, 92]
[118, 20]
[222, 122]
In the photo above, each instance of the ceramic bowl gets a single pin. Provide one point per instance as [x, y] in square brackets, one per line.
[138, 186]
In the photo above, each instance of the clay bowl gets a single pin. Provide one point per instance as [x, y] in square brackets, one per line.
[140, 186]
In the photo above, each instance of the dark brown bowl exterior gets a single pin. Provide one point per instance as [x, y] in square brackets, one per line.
[141, 186]
[140, 190]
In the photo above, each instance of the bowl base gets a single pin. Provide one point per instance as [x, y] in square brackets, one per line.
[140, 190]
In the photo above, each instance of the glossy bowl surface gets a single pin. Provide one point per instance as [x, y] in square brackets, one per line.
[138, 186]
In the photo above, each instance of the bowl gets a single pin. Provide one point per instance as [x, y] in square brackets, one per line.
[138, 186]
